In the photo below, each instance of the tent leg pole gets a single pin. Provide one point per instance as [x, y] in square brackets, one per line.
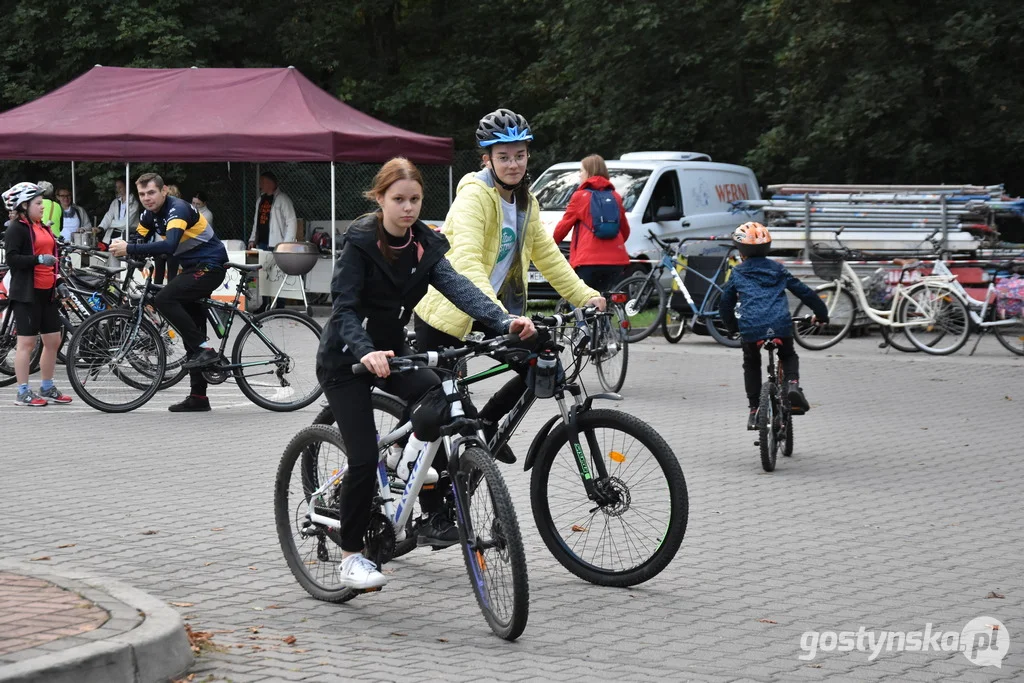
[334, 236]
[73, 193]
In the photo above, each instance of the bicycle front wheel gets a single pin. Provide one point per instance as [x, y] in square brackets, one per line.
[644, 307]
[113, 364]
[842, 309]
[495, 559]
[938, 320]
[768, 427]
[611, 349]
[1011, 335]
[312, 551]
[276, 353]
[635, 526]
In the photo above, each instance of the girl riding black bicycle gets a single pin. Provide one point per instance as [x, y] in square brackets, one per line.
[754, 300]
[389, 259]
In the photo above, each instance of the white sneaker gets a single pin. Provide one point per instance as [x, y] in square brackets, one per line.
[358, 572]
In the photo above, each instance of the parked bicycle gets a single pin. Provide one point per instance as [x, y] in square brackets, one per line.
[984, 316]
[774, 413]
[648, 300]
[930, 312]
[607, 492]
[308, 485]
[605, 343]
[117, 358]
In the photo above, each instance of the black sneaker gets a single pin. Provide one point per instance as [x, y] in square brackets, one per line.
[438, 531]
[203, 358]
[798, 402]
[504, 454]
[752, 420]
[191, 404]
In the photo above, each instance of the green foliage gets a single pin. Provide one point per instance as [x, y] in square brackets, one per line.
[802, 90]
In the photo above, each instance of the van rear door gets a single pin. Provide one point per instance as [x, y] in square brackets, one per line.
[708, 191]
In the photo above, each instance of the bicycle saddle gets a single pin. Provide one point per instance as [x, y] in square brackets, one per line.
[250, 268]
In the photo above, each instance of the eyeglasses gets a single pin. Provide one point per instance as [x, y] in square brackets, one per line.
[519, 159]
[63, 196]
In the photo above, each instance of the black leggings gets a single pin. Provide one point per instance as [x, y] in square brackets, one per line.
[432, 339]
[178, 301]
[752, 378]
[601, 278]
[349, 397]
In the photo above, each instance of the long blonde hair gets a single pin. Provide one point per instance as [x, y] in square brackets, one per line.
[594, 165]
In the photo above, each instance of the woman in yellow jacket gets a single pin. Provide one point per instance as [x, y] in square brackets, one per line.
[495, 232]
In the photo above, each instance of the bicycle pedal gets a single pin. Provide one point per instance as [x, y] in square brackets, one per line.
[360, 591]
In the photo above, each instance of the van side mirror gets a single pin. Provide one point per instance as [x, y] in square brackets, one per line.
[667, 213]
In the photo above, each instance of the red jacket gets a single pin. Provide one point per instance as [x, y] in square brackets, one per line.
[585, 249]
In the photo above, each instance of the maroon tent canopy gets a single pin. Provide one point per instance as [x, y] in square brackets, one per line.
[194, 115]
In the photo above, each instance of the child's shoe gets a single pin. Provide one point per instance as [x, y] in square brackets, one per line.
[797, 400]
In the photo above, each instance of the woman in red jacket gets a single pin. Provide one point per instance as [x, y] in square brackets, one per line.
[597, 252]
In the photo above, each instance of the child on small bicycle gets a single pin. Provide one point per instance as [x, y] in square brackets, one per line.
[754, 301]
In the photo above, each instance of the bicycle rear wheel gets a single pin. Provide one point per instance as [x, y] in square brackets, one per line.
[842, 309]
[1011, 336]
[767, 425]
[939, 320]
[494, 554]
[312, 551]
[636, 530]
[282, 381]
[113, 364]
[673, 327]
[644, 307]
[716, 326]
[611, 349]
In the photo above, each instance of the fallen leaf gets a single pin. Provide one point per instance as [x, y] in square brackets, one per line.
[41, 558]
[1007, 398]
[251, 568]
[183, 604]
[398, 633]
[994, 627]
[578, 529]
[207, 564]
[442, 640]
[255, 629]
[993, 594]
[300, 651]
[150, 533]
[814, 666]
[290, 640]
[67, 545]
[217, 528]
[275, 606]
[767, 621]
[258, 609]
[83, 605]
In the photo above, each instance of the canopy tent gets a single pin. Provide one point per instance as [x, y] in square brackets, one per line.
[192, 115]
[199, 115]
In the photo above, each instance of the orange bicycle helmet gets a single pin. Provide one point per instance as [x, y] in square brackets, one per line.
[752, 239]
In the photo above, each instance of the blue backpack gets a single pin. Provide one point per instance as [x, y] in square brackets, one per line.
[604, 214]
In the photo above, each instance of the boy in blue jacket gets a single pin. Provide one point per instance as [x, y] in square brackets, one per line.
[762, 312]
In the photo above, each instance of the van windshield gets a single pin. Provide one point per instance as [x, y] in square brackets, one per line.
[555, 188]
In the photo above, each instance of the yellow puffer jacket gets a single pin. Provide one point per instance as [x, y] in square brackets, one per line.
[473, 227]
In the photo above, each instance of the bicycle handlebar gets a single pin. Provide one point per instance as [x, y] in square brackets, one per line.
[559, 319]
[433, 359]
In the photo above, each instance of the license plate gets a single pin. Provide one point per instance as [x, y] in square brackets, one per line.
[535, 276]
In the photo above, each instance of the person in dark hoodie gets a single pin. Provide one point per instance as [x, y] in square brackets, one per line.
[598, 258]
[389, 259]
[754, 301]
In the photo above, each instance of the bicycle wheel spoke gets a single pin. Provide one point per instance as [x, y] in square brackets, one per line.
[278, 364]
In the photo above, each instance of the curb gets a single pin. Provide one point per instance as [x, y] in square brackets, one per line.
[157, 649]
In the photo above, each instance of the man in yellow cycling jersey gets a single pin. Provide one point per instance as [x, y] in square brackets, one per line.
[190, 239]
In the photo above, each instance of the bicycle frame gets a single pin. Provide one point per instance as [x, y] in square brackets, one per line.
[976, 309]
[850, 281]
[677, 284]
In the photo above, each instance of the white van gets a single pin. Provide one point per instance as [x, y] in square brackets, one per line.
[671, 194]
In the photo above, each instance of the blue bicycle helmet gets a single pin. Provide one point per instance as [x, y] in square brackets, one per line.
[502, 126]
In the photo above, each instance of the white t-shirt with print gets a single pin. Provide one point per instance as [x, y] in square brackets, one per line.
[506, 250]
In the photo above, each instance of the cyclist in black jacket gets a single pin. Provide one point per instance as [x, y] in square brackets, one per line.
[389, 259]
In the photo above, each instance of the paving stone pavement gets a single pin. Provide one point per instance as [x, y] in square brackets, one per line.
[900, 508]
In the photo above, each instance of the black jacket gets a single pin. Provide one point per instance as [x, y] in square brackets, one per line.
[19, 249]
[370, 309]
